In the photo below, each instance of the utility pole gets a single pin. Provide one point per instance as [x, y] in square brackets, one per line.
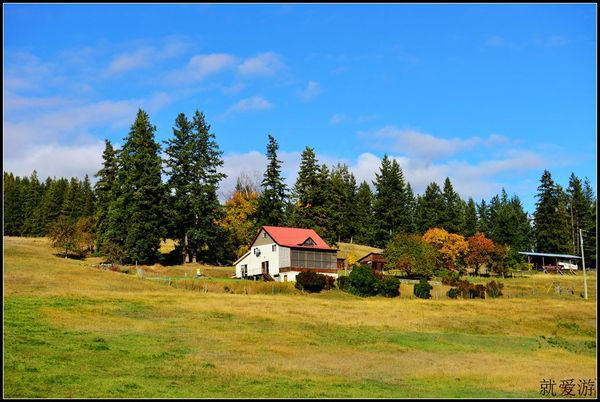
[585, 295]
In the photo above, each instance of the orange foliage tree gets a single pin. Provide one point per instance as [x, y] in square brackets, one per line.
[240, 219]
[450, 246]
[481, 251]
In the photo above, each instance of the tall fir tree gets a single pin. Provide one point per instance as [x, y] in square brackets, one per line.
[452, 217]
[390, 208]
[364, 215]
[589, 234]
[483, 218]
[470, 227]
[136, 215]
[88, 207]
[305, 191]
[51, 205]
[32, 198]
[105, 191]
[13, 205]
[72, 207]
[272, 201]
[429, 208]
[551, 229]
[579, 211]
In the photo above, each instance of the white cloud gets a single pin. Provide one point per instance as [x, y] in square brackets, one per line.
[58, 160]
[423, 145]
[313, 88]
[264, 64]
[145, 56]
[249, 104]
[201, 66]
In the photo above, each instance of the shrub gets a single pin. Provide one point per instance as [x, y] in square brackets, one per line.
[329, 282]
[310, 281]
[453, 293]
[389, 287]
[362, 281]
[423, 289]
[493, 289]
[342, 282]
[448, 277]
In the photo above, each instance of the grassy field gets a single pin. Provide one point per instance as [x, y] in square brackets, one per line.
[71, 330]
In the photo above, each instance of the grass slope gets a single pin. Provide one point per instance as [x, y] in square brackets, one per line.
[74, 331]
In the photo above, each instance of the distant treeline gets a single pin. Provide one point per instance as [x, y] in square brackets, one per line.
[133, 209]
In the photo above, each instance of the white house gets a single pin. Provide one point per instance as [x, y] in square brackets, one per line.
[280, 253]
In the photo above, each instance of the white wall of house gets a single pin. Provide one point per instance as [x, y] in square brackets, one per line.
[254, 263]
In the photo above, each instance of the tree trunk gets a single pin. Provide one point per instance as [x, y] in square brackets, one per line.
[186, 251]
[194, 257]
[66, 252]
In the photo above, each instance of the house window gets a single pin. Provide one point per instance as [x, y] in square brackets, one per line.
[257, 251]
[244, 269]
[264, 234]
[273, 247]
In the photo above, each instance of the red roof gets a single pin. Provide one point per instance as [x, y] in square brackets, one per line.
[295, 237]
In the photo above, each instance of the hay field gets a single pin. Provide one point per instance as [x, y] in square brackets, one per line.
[71, 330]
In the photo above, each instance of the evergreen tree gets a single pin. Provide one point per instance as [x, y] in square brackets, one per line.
[72, 207]
[305, 191]
[341, 210]
[589, 234]
[364, 215]
[272, 201]
[551, 229]
[88, 207]
[194, 160]
[451, 214]
[13, 205]
[579, 211]
[31, 199]
[105, 190]
[429, 208]
[51, 205]
[470, 227]
[390, 208]
[411, 205]
[136, 215]
[483, 218]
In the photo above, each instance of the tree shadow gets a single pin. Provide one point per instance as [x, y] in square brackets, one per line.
[70, 256]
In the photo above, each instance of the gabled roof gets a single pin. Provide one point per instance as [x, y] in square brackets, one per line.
[380, 255]
[242, 257]
[294, 237]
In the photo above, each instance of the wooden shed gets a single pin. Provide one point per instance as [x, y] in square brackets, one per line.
[374, 260]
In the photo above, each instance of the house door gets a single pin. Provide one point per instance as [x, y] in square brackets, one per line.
[265, 267]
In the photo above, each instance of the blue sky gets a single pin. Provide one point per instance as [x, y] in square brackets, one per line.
[489, 95]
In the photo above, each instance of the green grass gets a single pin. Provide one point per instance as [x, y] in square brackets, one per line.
[74, 331]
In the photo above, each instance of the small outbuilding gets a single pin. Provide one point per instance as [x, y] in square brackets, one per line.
[374, 260]
[552, 262]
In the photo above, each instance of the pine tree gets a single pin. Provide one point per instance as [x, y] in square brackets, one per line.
[51, 205]
[13, 205]
[390, 208]
[429, 208]
[483, 218]
[451, 214]
[589, 234]
[579, 211]
[411, 205]
[551, 230]
[470, 227]
[105, 191]
[136, 215]
[72, 207]
[31, 199]
[272, 201]
[304, 191]
[364, 215]
[206, 235]
[88, 207]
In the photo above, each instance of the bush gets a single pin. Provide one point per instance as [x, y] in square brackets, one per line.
[389, 287]
[493, 289]
[448, 277]
[453, 293]
[310, 281]
[362, 281]
[329, 282]
[342, 282]
[423, 289]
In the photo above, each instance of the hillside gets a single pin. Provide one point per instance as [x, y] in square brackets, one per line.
[71, 330]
